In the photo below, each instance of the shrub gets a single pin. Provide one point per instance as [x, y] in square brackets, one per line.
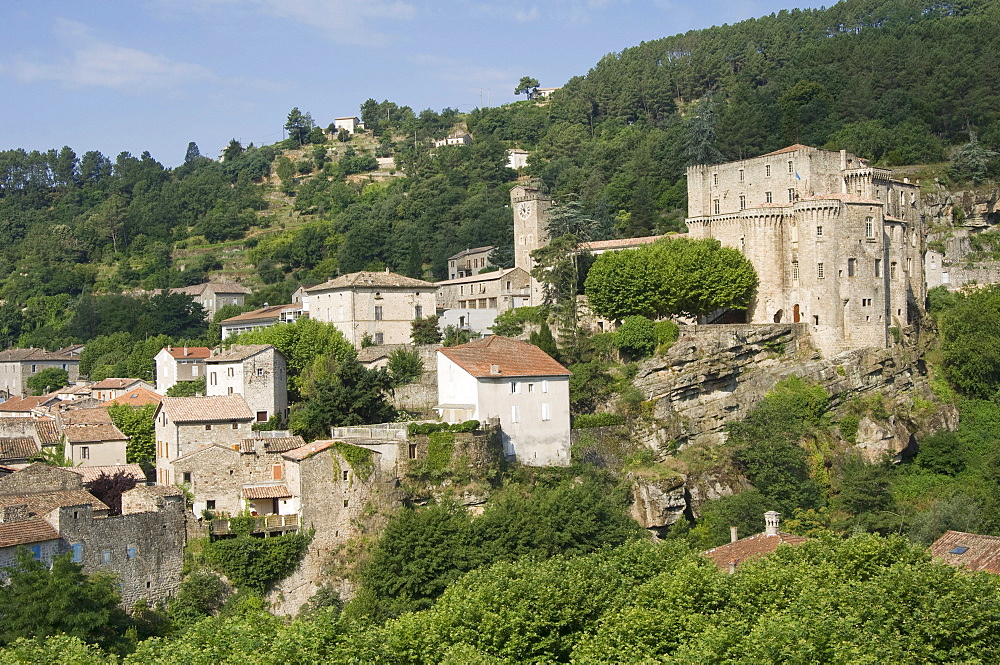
[405, 366]
[667, 333]
[637, 336]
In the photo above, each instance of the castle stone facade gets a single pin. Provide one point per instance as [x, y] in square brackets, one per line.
[837, 244]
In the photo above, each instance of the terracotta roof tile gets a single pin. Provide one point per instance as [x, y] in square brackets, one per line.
[47, 431]
[90, 473]
[43, 503]
[481, 277]
[26, 532]
[968, 550]
[85, 417]
[387, 280]
[206, 409]
[113, 384]
[16, 448]
[136, 397]
[748, 548]
[509, 357]
[266, 492]
[792, 148]
[188, 352]
[271, 313]
[308, 450]
[23, 404]
[278, 444]
[93, 433]
[24, 355]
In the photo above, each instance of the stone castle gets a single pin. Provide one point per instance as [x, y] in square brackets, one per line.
[837, 244]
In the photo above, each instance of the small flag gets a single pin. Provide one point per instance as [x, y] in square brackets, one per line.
[797, 176]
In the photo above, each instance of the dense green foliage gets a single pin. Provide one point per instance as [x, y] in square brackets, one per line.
[405, 366]
[47, 380]
[187, 388]
[970, 342]
[252, 564]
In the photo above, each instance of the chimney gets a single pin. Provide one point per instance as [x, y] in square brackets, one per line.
[732, 565]
[169, 347]
[733, 537]
[185, 351]
[772, 520]
[494, 369]
[15, 513]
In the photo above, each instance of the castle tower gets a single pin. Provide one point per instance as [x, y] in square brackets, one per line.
[531, 217]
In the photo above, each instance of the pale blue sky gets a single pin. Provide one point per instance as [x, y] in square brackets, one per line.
[155, 74]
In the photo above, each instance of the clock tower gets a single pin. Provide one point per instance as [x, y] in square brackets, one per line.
[531, 219]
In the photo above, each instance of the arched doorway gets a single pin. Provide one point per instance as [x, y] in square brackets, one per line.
[778, 315]
[795, 314]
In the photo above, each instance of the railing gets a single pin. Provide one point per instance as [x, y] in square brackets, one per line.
[383, 431]
[265, 524]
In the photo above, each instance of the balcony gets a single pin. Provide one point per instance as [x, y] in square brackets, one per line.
[271, 524]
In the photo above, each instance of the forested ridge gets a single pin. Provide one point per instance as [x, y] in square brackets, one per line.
[901, 82]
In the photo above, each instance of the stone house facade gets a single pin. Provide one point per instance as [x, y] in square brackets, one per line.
[468, 262]
[185, 424]
[213, 296]
[46, 510]
[531, 218]
[473, 303]
[379, 305]
[258, 372]
[19, 365]
[179, 363]
[245, 476]
[837, 244]
[265, 317]
[109, 389]
[514, 384]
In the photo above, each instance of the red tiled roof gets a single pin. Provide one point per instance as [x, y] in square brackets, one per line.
[792, 148]
[509, 356]
[302, 452]
[93, 433]
[15, 448]
[271, 313]
[982, 553]
[113, 384]
[279, 444]
[26, 532]
[206, 409]
[748, 548]
[136, 397]
[372, 279]
[86, 417]
[188, 352]
[238, 353]
[43, 503]
[266, 492]
[23, 404]
[47, 431]
[91, 473]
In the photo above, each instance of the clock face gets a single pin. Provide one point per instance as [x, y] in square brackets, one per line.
[524, 210]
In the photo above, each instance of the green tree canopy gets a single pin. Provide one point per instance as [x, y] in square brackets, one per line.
[47, 380]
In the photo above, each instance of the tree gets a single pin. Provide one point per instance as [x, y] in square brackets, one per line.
[636, 336]
[42, 602]
[48, 380]
[298, 126]
[670, 277]
[425, 330]
[232, 151]
[544, 340]
[193, 154]
[286, 171]
[110, 487]
[528, 86]
[343, 135]
[970, 342]
[405, 366]
[339, 393]
[137, 424]
[187, 388]
[972, 162]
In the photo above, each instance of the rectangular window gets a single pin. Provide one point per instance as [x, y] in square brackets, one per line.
[345, 475]
[515, 414]
[418, 312]
[852, 266]
[815, 319]
[791, 194]
[819, 231]
[413, 451]
[208, 428]
[236, 425]
[866, 302]
[892, 270]
[105, 557]
[741, 175]
[791, 166]
[878, 267]
[545, 386]
[715, 179]
[34, 368]
[262, 416]
[84, 452]
[546, 411]
[795, 270]
[820, 272]
[346, 502]
[767, 170]
[230, 390]
[36, 552]
[378, 312]
[379, 338]
[210, 504]
[869, 228]
[212, 379]
[716, 206]
[77, 552]
[767, 197]
[232, 371]
[515, 387]
[277, 472]
[186, 477]
[194, 370]
[909, 266]
[130, 551]
[743, 201]
[531, 387]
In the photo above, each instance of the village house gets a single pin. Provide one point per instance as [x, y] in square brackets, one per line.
[258, 372]
[109, 389]
[727, 557]
[136, 397]
[469, 262]
[179, 363]
[512, 383]
[28, 407]
[517, 158]
[21, 439]
[19, 365]
[352, 124]
[91, 438]
[474, 302]
[89, 474]
[47, 510]
[265, 317]
[457, 138]
[378, 306]
[185, 424]
[837, 244]
[213, 296]
[972, 551]
[249, 475]
[74, 391]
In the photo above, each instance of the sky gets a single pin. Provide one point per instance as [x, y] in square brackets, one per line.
[137, 75]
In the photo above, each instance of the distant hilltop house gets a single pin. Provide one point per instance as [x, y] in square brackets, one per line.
[265, 317]
[515, 385]
[469, 261]
[542, 93]
[380, 306]
[179, 363]
[351, 123]
[837, 244]
[212, 296]
[458, 138]
[517, 158]
[19, 365]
